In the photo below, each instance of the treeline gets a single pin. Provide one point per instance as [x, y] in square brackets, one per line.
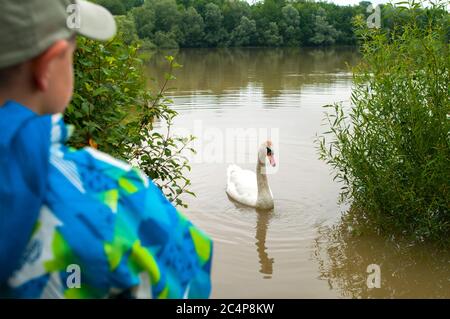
[236, 23]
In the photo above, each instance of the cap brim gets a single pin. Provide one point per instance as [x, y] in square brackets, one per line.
[96, 22]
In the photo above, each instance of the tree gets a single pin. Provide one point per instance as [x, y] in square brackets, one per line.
[290, 25]
[127, 28]
[214, 32]
[272, 35]
[165, 40]
[211, 23]
[271, 9]
[233, 11]
[116, 7]
[158, 21]
[343, 23]
[193, 28]
[166, 14]
[130, 4]
[324, 33]
[306, 12]
[244, 34]
[144, 18]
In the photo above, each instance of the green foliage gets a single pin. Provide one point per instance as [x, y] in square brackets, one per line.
[165, 40]
[272, 35]
[269, 10]
[144, 19]
[158, 21]
[113, 110]
[391, 150]
[166, 14]
[244, 34]
[218, 23]
[193, 27]
[119, 7]
[290, 25]
[214, 32]
[130, 4]
[324, 33]
[233, 11]
[127, 27]
[116, 7]
[146, 45]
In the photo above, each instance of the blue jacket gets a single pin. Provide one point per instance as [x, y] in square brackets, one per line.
[81, 224]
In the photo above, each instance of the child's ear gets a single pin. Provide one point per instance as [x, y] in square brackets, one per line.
[41, 65]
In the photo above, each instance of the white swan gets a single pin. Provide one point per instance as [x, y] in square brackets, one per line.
[252, 189]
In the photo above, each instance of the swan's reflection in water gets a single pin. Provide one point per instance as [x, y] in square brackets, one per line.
[262, 224]
[263, 218]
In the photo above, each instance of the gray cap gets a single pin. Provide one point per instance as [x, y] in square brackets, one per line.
[29, 27]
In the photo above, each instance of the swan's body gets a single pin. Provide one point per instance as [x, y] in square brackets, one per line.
[250, 188]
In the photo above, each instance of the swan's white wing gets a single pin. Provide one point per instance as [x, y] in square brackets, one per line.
[242, 185]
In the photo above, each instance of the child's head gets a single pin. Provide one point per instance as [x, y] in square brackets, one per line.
[37, 42]
[45, 83]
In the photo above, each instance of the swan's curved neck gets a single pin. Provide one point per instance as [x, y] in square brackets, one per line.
[261, 178]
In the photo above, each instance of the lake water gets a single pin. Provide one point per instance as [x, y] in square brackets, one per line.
[232, 99]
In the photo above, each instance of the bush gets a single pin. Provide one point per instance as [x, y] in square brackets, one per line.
[391, 150]
[113, 110]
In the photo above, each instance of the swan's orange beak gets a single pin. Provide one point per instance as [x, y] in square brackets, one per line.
[272, 160]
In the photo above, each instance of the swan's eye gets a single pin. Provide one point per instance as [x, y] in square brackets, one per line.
[269, 152]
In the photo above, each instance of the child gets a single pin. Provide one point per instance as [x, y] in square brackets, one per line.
[77, 223]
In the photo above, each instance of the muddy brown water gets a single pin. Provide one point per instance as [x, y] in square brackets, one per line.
[233, 98]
